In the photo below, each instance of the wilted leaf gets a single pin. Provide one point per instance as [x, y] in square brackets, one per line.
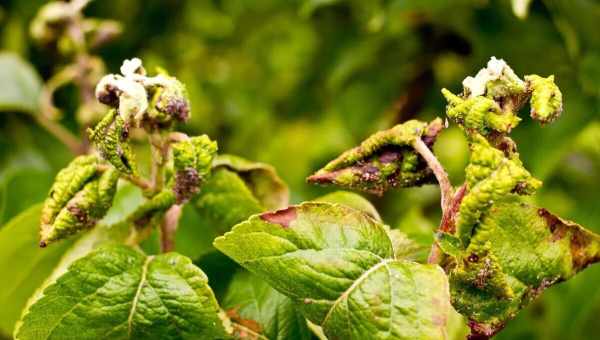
[516, 252]
[332, 261]
[21, 85]
[261, 178]
[117, 292]
[383, 161]
[252, 303]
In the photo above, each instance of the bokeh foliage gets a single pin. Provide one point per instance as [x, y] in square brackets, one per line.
[294, 83]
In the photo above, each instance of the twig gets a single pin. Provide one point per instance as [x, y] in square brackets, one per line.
[160, 150]
[438, 170]
[446, 189]
[168, 228]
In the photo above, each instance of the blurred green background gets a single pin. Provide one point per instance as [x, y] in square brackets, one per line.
[294, 83]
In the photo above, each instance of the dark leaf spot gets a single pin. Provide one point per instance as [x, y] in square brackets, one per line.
[282, 217]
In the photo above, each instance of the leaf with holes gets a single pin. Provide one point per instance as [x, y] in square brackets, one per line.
[334, 261]
[117, 292]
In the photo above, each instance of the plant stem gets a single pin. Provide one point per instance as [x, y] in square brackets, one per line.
[160, 150]
[168, 228]
[438, 171]
[61, 133]
[446, 190]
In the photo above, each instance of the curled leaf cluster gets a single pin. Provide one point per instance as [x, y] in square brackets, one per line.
[151, 102]
[491, 100]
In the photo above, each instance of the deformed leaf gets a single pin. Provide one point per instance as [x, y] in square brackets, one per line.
[261, 179]
[117, 292]
[546, 98]
[334, 261]
[192, 159]
[21, 85]
[383, 161]
[490, 176]
[516, 252]
[79, 197]
[255, 305]
[110, 137]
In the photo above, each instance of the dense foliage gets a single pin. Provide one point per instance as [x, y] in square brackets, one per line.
[122, 218]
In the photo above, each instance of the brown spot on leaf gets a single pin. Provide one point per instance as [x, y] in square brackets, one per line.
[482, 331]
[282, 217]
[390, 156]
[431, 132]
[186, 184]
[250, 324]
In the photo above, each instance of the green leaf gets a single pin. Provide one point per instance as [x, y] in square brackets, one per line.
[252, 303]
[261, 179]
[516, 252]
[383, 161]
[23, 264]
[224, 201]
[117, 292]
[332, 261]
[21, 85]
[351, 200]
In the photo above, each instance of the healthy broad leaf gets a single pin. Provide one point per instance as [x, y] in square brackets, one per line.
[383, 161]
[21, 85]
[351, 200]
[261, 179]
[334, 261]
[255, 305]
[117, 292]
[224, 201]
[24, 265]
[515, 253]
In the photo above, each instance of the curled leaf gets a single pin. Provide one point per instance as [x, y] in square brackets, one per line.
[479, 113]
[490, 176]
[262, 179]
[192, 160]
[153, 208]
[110, 137]
[515, 253]
[383, 161]
[546, 98]
[80, 196]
